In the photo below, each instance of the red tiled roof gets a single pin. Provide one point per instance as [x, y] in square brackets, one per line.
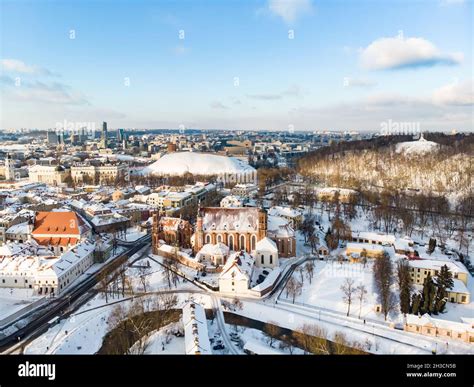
[57, 223]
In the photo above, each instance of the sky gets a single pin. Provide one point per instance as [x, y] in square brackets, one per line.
[246, 64]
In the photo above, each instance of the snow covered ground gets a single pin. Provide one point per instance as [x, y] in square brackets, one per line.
[163, 342]
[14, 299]
[325, 292]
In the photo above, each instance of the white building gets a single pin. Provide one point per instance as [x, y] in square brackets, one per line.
[232, 201]
[49, 174]
[216, 254]
[196, 336]
[237, 273]
[34, 266]
[266, 253]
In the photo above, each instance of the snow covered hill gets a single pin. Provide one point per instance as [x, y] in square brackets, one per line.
[178, 163]
[419, 147]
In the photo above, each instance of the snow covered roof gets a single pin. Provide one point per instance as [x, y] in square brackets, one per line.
[279, 227]
[284, 211]
[238, 266]
[217, 249]
[179, 163]
[266, 244]
[242, 219]
[20, 228]
[426, 319]
[454, 267]
[196, 335]
[375, 236]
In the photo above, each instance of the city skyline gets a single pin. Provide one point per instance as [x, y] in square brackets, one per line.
[273, 65]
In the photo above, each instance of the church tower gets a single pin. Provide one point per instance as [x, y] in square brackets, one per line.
[155, 231]
[9, 168]
[199, 235]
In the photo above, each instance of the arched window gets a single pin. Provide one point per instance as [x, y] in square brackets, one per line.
[253, 242]
[262, 259]
[271, 259]
[231, 242]
[219, 238]
[242, 242]
[208, 238]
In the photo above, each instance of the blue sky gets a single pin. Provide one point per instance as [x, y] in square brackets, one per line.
[351, 64]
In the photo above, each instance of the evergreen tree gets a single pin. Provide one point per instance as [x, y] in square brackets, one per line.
[444, 282]
[415, 303]
[432, 245]
[404, 285]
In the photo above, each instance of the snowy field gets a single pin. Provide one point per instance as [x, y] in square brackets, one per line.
[325, 292]
[375, 338]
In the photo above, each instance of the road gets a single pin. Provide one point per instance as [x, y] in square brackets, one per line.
[222, 327]
[76, 296]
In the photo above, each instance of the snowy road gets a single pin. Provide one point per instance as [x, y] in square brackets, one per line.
[221, 324]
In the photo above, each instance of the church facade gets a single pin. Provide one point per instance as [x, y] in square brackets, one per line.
[240, 229]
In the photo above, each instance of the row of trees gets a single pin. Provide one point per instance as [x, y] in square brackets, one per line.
[433, 298]
[313, 339]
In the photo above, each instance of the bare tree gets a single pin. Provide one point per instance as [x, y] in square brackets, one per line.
[143, 273]
[361, 293]
[294, 288]
[301, 272]
[309, 270]
[313, 339]
[348, 290]
[383, 278]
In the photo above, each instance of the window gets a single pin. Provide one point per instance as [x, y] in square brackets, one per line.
[16, 281]
[253, 242]
[231, 242]
[219, 238]
[463, 299]
[262, 259]
[429, 330]
[208, 239]
[242, 242]
[271, 259]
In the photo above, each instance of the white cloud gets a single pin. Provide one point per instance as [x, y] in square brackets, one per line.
[292, 91]
[36, 91]
[354, 82]
[290, 10]
[218, 105]
[18, 66]
[400, 52]
[457, 94]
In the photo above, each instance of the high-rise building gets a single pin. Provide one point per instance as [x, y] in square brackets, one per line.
[120, 135]
[52, 137]
[103, 139]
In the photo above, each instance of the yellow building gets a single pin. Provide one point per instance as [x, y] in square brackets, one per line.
[373, 251]
[420, 268]
[429, 326]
